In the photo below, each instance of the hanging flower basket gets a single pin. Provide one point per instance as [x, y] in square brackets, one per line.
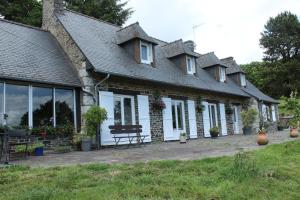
[159, 105]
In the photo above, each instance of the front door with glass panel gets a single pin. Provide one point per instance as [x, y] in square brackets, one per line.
[213, 119]
[235, 117]
[124, 113]
[178, 118]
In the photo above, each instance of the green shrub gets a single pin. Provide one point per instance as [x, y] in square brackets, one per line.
[94, 117]
[214, 132]
[248, 117]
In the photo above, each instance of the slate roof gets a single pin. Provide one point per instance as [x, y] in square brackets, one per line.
[209, 60]
[177, 48]
[131, 32]
[96, 39]
[31, 54]
[234, 67]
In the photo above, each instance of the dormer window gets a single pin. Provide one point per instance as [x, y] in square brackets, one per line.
[190, 63]
[243, 80]
[146, 53]
[222, 74]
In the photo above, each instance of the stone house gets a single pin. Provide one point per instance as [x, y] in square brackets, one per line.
[75, 61]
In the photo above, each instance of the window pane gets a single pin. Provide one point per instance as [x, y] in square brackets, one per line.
[42, 106]
[174, 116]
[17, 105]
[64, 106]
[127, 111]
[1, 103]
[117, 111]
[213, 114]
[179, 116]
[144, 52]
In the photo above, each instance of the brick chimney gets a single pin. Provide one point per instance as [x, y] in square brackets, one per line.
[190, 44]
[50, 7]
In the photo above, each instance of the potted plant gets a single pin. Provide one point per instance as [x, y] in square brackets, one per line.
[293, 130]
[38, 149]
[183, 137]
[214, 132]
[262, 138]
[94, 117]
[200, 107]
[248, 118]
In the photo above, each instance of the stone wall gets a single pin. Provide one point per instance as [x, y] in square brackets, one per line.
[135, 87]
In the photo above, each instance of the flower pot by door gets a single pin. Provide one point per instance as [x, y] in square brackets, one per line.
[262, 139]
[39, 151]
[182, 139]
[293, 132]
[247, 131]
[86, 145]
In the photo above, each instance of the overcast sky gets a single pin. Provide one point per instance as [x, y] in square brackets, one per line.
[229, 28]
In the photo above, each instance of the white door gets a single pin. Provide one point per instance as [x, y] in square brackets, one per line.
[235, 119]
[144, 116]
[223, 119]
[178, 118]
[192, 119]
[167, 120]
[206, 119]
[213, 115]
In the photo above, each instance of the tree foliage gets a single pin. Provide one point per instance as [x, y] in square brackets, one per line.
[278, 74]
[281, 37]
[22, 11]
[30, 11]
[94, 117]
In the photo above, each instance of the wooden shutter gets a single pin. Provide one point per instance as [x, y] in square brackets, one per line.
[106, 101]
[264, 112]
[223, 119]
[144, 116]
[167, 120]
[206, 120]
[192, 119]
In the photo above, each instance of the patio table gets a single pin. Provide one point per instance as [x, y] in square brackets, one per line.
[4, 148]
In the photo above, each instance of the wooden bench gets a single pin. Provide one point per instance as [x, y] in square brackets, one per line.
[117, 130]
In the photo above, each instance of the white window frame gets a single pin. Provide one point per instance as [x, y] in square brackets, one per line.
[243, 80]
[222, 74]
[175, 103]
[149, 52]
[30, 104]
[122, 108]
[193, 63]
[210, 115]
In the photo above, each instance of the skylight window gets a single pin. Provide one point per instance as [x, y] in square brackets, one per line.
[190, 63]
[243, 80]
[146, 53]
[222, 74]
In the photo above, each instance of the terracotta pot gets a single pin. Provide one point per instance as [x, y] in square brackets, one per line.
[262, 139]
[293, 133]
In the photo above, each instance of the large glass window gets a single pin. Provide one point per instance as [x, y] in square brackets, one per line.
[16, 105]
[64, 106]
[1, 103]
[124, 110]
[42, 106]
[177, 115]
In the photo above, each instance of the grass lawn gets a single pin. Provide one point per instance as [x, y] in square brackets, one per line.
[271, 173]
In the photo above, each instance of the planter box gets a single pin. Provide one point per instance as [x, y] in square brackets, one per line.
[247, 131]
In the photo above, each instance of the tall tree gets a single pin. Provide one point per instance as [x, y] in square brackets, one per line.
[281, 37]
[30, 11]
[22, 11]
[112, 11]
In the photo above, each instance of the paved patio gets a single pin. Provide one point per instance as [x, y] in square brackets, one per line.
[194, 149]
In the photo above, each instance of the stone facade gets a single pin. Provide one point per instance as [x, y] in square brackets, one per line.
[130, 87]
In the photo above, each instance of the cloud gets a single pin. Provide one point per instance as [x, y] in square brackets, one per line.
[229, 28]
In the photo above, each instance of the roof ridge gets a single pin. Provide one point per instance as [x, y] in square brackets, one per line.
[168, 43]
[122, 28]
[99, 20]
[207, 53]
[24, 25]
[229, 57]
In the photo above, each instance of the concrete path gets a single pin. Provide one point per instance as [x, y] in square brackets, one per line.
[194, 149]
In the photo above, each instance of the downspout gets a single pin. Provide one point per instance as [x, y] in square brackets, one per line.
[98, 138]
